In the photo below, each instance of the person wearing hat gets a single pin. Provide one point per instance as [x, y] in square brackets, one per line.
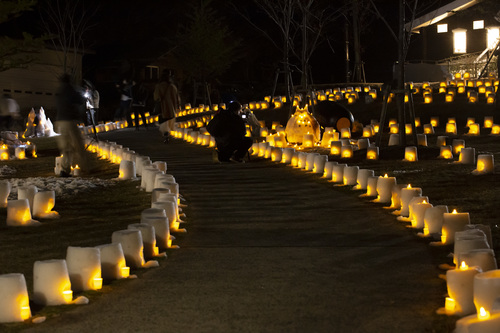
[228, 129]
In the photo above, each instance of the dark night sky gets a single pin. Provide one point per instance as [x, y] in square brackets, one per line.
[130, 28]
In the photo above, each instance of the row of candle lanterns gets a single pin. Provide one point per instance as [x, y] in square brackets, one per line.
[85, 268]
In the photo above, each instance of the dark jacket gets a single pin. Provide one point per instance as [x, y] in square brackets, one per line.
[227, 128]
[70, 102]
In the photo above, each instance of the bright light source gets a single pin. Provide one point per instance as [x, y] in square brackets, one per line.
[478, 24]
[493, 35]
[442, 28]
[459, 41]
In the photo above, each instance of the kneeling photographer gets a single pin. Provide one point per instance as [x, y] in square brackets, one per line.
[229, 129]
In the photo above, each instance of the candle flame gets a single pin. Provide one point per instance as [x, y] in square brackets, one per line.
[483, 314]
[409, 186]
[463, 266]
[454, 211]
[385, 176]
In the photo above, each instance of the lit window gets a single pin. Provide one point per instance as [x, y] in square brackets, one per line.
[459, 41]
[493, 35]
[478, 25]
[441, 28]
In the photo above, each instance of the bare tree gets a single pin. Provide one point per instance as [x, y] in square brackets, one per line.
[67, 22]
[17, 52]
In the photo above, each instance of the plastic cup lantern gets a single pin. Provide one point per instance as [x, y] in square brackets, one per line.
[446, 152]
[460, 284]
[384, 189]
[485, 164]
[411, 154]
[372, 153]
[453, 222]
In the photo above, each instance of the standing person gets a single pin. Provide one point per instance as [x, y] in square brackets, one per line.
[70, 105]
[93, 98]
[9, 112]
[125, 100]
[139, 97]
[167, 96]
[229, 130]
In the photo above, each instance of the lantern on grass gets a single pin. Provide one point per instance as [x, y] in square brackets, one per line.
[84, 268]
[372, 153]
[19, 214]
[51, 283]
[453, 222]
[459, 283]
[150, 249]
[5, 188]
[113, 264]
[131, 242]
[446, 152]
[411, 154]
[485, 164]
[474, 129]
[14, 300]
[43, 204]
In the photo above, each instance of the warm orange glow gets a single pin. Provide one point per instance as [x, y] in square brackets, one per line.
[68, 296]
[483, 314]
[25, 312]
[474, 129]
[449, 305]
[434, 122]
[446, 153]
[495, 129]
[371, 155]
[488, 122]
[409, 186]
[125, 271]
[451, 128]
[97, 283]
[480, 165]
[385, 176]
[410, 156]
[449, 98]
[463, 266]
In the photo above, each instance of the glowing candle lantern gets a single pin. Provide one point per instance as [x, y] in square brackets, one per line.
[280, 141]
[350, 175]
[486, 290]
[310, 161]
[483, 258]
[411, 154]
[408, 129]
[449, 98]
[363, 143]
[384, 189]
[467, 155]
[148, 178]
[468, 240]
[490, 99]
[451, 128]
[433, 220]
[319, 163]
[457, 145]
[422, 140]
[20, 153]
[396, 197]
[4, 153]
[482, 322]
[427, 98]
[488, 122]
[43, 204]
[470, 120]
[474, 129]
[162, 230]
[27, 192]
[148, 239]
[140, 163]
[328, 169]
[453, 222]
[326, 139]
[276, 154]
[372, 153]
[434, 121]
[394, 140]
[346, 152]
[308, 140]
[5, 188]
[51, 283]
[473, 97]
[394, 129]
[113, 265]
[335, 148]
[19, 214]
[262, 148]
[367, 131]
[345, 133]
[485, 164]
[407, 194]
[84, 266]
[163, 178]
[132, 245]
[338, 173]
[14, 300]
[171, 213]
[362, 179]
[441, 140]
[460, 283]
[428, 129]
[419, 210]
[287, 155]
[301, 160]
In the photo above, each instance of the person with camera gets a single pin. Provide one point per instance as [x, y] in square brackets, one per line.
[228, 128]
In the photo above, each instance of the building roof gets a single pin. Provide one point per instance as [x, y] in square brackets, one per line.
[439, 14]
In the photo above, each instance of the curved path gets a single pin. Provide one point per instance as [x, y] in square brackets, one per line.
[269, 248]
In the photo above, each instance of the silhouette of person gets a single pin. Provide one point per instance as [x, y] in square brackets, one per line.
[167, 96]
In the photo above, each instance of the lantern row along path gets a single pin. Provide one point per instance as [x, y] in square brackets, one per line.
[268, 248]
